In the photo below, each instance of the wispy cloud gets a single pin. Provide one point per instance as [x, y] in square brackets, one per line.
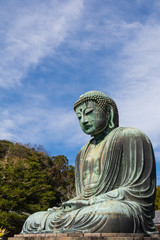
[139, 86]
[40, 126]
[34, 32]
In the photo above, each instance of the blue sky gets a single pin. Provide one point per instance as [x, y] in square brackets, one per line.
[53, 51]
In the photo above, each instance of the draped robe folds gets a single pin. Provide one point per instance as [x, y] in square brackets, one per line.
[122, 198]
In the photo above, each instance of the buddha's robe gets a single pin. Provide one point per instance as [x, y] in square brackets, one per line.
[118, 180]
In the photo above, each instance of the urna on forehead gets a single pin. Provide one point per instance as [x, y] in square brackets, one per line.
[87, 104]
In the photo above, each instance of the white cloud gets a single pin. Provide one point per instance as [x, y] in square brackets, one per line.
[41, 126]
[33, 33]
[103, 29]
[138, 96]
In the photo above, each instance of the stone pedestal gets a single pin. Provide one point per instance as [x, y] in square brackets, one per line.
[86, 236]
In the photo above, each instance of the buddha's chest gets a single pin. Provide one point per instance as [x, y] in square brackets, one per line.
[92, 164]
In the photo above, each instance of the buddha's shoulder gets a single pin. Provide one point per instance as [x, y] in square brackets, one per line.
[119, 134]
[128, 132]
[82, 150]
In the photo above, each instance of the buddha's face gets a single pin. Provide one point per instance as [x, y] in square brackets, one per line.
[92, 118]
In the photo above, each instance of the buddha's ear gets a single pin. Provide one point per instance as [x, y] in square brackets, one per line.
[111, 122]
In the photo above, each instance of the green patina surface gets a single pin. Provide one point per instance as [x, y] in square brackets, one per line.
[115, 177]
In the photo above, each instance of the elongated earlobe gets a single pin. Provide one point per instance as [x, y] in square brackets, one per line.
[111, 122]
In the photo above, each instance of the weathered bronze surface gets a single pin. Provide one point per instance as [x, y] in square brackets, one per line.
[115, 178]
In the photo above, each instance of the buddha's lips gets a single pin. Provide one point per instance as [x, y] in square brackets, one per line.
[87, 126]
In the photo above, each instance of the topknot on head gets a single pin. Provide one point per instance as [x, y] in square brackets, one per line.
[96, 96]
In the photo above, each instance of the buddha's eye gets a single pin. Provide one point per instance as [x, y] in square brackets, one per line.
[79, 116]
[89, 110]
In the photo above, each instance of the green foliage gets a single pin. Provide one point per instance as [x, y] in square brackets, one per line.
[157, 201]
[63, 177]
[31, 181]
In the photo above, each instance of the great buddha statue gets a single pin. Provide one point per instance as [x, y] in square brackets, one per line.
[115, 177]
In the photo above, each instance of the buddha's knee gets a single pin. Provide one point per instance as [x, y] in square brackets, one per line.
[35, 222]
[118, 223]
[119, 217]
[109, 216]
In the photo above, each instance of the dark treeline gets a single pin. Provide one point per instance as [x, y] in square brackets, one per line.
[157, 201]
[31, 181]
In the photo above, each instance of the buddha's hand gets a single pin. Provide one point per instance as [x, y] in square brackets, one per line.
[116, 194]
[97, 199]
[74, 204]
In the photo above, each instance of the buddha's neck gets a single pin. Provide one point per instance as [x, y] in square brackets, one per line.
[100, 136]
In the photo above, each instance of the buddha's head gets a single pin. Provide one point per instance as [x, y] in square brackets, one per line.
[96, 112]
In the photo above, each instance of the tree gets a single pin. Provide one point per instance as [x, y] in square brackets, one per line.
[30, 181]
[157, 201]
[64, 175]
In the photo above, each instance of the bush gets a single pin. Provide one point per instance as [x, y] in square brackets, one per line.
[30, 181]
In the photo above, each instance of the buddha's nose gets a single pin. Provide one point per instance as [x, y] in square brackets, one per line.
[84, 119]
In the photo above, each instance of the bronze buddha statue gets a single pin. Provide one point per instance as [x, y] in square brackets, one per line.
[115, 177]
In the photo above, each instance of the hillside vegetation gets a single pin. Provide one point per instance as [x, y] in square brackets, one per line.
[157, 201]
[31, 181]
